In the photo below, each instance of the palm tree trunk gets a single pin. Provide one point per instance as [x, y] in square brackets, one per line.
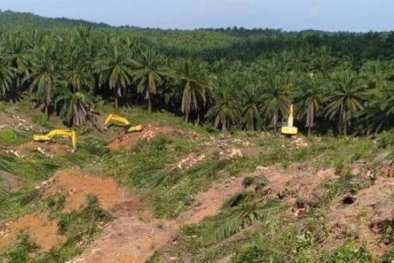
[198, 119]
[118, 94]
[47, 110]
[275, 121]
[18, 84]
[345, 124]
[149, 105]
[224, 124]
[116, 101]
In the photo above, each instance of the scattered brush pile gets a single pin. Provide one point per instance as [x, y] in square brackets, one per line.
[17, 123]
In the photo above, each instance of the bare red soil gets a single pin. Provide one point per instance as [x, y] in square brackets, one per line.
[46, 148]
[128, 140]
[77, 185]
[43, 231]
[363, 218]
[133, 237]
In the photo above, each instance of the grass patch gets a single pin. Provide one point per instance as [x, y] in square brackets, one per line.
[17, 203]
[12, 137]
[80, 227]
[345, 184]
[205, 241]
[347, 252]
[21, 251]
[174, 188]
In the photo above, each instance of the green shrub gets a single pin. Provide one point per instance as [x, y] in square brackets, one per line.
[386, 140]
[21, 251]
[160, 142]
[11, 137]
[253, 254]
[83, 223]
[349, 252]
[388, 257]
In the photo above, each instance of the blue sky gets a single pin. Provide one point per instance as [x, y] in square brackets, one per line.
[331, 15]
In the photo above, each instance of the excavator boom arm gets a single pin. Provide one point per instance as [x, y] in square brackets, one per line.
[116, 118]
[290, 121]
[60, 132]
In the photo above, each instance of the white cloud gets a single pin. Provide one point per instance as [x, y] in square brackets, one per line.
[314, 10]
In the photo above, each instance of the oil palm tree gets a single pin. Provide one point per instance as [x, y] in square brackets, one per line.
[115, 69]
[345, 98]
[275, 97]
[44, 75]
[73, 99]
[225, 109]
[322, 61]
[75, 107]
[376, 74]
[148, 74]
[7, 75]
[309, 99]
[251, 117]
[78, 78]
[18, 56]
[194, 81]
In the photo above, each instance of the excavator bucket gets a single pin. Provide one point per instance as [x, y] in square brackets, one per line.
[289, 129]
[136, 128]
[112, 118]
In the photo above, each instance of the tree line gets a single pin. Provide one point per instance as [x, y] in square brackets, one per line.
[340, 83]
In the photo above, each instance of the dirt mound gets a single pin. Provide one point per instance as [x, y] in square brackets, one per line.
[128, 240]
[362, 218]
[77, 185]
[42, 231]
[298, 187]
[47, 149]
[133, 205]
[148, 133]
[208, 203]
[134, 238]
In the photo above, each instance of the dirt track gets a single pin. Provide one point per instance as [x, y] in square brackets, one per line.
[134, 236]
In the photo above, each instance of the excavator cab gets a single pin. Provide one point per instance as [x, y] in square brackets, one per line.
[123, 122]
[289, 129]
[57, 132]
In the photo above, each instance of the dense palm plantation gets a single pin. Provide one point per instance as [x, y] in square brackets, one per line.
[340, 83]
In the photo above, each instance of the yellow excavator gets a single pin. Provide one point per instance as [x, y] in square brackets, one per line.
[60, 132]
[124, 123]
[289, 129]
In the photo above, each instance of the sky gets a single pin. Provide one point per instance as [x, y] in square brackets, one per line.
[288, 15]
